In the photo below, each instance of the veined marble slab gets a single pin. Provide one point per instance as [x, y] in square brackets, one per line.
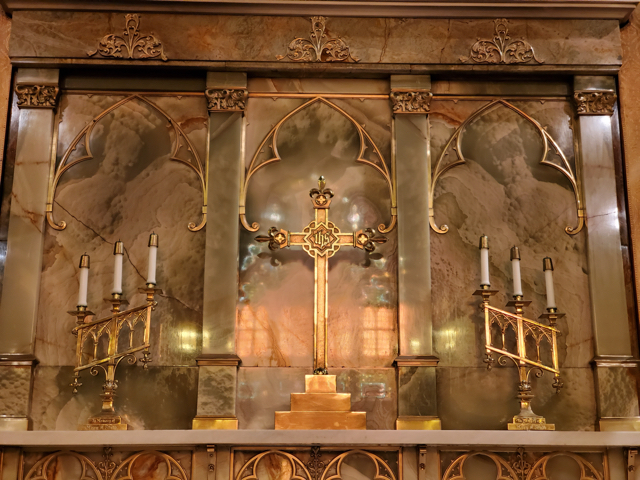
[226, 38]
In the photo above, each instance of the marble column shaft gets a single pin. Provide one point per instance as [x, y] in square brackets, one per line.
[615, 369]
[217, 378]
[410, 97]
[37, 91]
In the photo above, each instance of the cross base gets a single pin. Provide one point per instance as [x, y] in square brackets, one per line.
[321, 408]
[530, 423]
[104, 422]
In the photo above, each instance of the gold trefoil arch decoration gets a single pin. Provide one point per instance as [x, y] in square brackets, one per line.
[41, 469]
[181, 139]
[456, 469]
[271, 139]
[249, 470]
[333, 471]
[539, 469]
[455, 143]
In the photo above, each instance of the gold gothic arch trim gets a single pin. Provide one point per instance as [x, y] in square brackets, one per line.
[504, 470]
[365, 138]
[180, 136]
[377, 461]
[106, 469]
[249, 470]
[564, 167]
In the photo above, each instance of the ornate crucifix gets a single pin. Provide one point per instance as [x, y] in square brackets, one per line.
[321, 239]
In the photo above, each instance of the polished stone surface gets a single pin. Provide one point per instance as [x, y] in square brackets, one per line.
[371, 40]
[217, 390]
[606, 273]
[474, 398]
[263, 391]
[15, 386]
[417, 391]
[617, 391]
[23, 265]
[129, 189]
[153, 399]
[502, 191]
[414, 259]
[317, 140]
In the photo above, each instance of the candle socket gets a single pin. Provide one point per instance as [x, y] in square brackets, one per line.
[518, 303]
[552, 316]
[151, 291]
[117, 300]
[81, 313]
[486, 293]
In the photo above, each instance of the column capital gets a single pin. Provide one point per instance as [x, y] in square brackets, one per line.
[37, 96]
[226, 99]
[595, 102]
[410, 101]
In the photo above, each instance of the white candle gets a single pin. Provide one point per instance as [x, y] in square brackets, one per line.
[153, 257]
[84, 280]
[484, 261]
[547, 266]
[515, 266]
[118, 254]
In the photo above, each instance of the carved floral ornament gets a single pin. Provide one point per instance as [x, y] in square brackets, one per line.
[226, 100]
[411, 101]
[319, 47]
[37, 96]
[131, 44]
[594, 102]
[501, 48]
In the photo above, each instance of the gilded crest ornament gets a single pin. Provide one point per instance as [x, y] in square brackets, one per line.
[501, 49]
[131, 44]
[318, 47]
[595, 102]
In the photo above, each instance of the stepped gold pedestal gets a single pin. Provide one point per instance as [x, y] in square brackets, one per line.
[321, 408]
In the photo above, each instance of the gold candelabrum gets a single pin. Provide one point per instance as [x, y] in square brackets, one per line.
[530, 336]
[89, 335]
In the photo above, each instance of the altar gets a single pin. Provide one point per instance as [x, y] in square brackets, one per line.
[312, 241]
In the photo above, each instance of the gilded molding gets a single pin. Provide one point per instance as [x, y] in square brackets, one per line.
[501, 49]
[411, 102]
[37, 96]
[595, 102]
[136, 46]
[318, 47]
[227, 100]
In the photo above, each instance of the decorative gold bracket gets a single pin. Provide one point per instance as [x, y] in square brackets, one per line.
[455, 143]
[181, 140]
[366, 141]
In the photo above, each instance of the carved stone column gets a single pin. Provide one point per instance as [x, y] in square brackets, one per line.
[218, 365]
[615, 367]
[417, 408]
[37, 92]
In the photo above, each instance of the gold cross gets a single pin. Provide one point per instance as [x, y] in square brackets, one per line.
[321, 239]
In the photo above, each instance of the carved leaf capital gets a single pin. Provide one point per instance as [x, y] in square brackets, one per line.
[411, 102]
[226, 100]
[593, 102]
[37, 96]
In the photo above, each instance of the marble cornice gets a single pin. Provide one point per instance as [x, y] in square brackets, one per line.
[376, 45]
[605, 9]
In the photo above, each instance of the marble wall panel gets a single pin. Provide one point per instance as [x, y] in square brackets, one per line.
[217, 390]
[477, 399]
[362, 300]
[129, 189]
[262, 391]
[503, 192]
[263, 38]
[15, 386]
[160, 398]
[617, 391]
